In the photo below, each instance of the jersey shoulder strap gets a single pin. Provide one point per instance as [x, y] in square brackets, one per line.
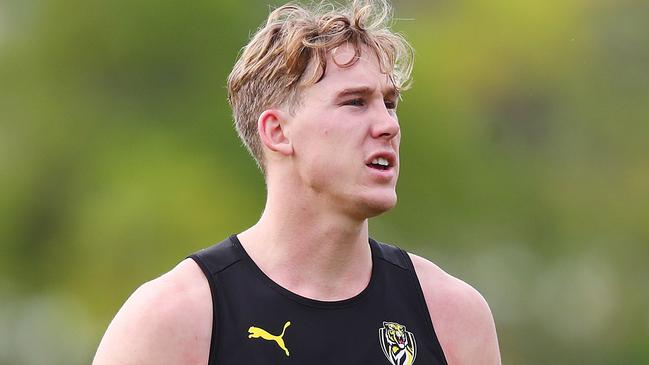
[392, 254]
[213, 260]
[400, 259]
[217, 258]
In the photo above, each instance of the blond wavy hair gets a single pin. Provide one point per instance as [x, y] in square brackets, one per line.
[271, 67]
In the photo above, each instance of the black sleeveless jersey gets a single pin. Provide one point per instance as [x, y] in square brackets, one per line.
[258, 322]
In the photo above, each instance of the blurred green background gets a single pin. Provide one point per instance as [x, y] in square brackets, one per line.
[525, 163]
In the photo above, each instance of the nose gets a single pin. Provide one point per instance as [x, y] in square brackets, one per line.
[391, 127]
[386, 124]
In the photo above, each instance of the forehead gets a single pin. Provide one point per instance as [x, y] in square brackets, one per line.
[365, 72]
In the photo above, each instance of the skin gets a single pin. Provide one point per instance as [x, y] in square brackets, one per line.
[320, 189]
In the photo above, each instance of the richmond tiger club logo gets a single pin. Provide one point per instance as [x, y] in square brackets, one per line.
[398, 345]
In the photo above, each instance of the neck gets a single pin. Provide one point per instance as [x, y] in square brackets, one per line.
[309, 249]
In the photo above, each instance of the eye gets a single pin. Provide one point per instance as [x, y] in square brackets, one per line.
[390, 104]
[355, 102]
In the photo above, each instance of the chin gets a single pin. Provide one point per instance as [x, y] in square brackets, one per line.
[378, 205]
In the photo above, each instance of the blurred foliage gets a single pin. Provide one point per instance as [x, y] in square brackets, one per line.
[525, 163]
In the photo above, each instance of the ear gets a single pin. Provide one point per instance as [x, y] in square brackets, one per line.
[272, 133]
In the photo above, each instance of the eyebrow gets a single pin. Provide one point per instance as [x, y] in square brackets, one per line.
[390, 92]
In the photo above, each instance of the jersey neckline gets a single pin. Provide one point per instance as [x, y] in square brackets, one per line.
[334, 304]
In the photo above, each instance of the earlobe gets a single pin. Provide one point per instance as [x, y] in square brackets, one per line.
[271, 129]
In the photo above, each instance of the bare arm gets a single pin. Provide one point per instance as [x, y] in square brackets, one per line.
[463, 321]
[165, 321]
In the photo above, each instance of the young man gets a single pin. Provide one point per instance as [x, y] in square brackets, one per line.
[314, 96]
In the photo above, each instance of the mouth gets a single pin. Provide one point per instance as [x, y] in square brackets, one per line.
[382, 161]
[379, 164]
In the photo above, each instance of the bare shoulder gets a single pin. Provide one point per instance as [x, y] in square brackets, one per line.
[165, 321]
[460, 314]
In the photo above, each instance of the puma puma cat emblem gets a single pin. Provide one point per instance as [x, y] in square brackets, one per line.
[256, 332]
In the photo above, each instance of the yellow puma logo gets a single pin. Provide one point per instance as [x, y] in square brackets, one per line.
[256, 332]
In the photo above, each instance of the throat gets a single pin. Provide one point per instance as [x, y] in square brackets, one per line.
[323, 257]
[329, 275]
[322, 270]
